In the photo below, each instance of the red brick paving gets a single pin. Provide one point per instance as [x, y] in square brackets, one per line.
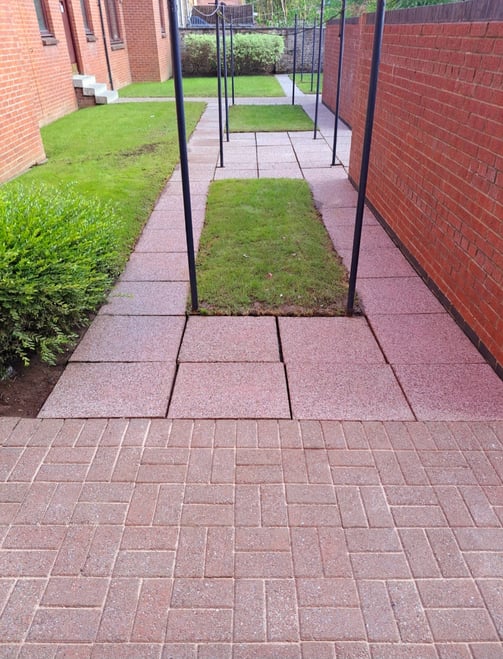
[247, 539]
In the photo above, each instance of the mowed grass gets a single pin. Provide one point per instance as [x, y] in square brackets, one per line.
[267, 118]
[306, 84]
[251, 86]
[117, 153]
[265, 251]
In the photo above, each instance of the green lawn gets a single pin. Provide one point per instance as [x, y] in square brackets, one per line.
[120, 153]
[267, 118]
[304, 82]
[264, 250]
[206, 87]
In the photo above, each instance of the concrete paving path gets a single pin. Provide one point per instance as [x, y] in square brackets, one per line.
[405, 359]
[326, 536]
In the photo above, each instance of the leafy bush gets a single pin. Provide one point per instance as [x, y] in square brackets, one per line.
[257, 53]
[59, 253]
[253, 54]
[199, 55]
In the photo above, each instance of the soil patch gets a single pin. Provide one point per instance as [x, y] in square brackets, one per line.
[26, 391]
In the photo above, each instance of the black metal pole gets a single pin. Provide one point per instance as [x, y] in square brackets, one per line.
[105, 46]
[367, 142]
[219, 86]
[318, 71]
[302, 50]
[294, 59]
[312, 54]
[339, 75]
[182, 142]
[232, 61]
[226, 89]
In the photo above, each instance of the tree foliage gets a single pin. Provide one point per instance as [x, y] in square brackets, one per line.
[283, 12]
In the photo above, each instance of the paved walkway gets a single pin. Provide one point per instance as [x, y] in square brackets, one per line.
[405, 360]
[172, 538]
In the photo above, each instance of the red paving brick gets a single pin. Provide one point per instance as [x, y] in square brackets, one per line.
[233, 550]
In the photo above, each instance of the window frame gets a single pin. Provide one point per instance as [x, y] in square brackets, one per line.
[114, 23]
[86, 17]
[44, 24]
[162, 17]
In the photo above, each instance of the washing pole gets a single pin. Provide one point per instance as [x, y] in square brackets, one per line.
[302, 50]
[339, 75]
[367, 142]
[312, 54]
[319, 71]
[232, 60]
[226, 90]
[182, 142]
[219, 85]
[294, 59]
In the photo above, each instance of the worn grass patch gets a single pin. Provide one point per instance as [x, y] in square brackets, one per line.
[268, 118]
[264, 251]
[244, 86]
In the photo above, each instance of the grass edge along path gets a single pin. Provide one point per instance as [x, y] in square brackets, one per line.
[265, 251]
[206, 87]
[268, 118]
[121, 154]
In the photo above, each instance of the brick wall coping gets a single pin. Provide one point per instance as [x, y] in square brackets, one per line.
[459, 12]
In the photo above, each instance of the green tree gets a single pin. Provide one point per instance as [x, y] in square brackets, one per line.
[283, 12]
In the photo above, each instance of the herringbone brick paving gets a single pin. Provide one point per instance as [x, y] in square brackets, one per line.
[250, 539]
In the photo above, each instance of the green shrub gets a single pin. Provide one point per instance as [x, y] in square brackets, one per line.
[59, 253]
[256, 53]
[199, 55]
[253, 54]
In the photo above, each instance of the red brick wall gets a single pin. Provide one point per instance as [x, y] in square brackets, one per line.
[436, 172]
[20, 143]
[149, 49]
[349, 63]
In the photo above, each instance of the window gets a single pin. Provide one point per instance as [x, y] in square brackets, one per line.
[88, 26]
[43, 22]
[113, 22]
[161, 15]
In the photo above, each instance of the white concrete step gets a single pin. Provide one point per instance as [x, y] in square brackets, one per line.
[106, 97]
[82, 81]
[94, 89]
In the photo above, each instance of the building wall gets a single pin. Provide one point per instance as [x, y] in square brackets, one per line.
[149, 48]
[436, 170]
[36, 73]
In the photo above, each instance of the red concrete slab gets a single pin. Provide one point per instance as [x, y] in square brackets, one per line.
[383, 262]
[231, 390]
[146, 298]
[424, 339]
[329, 340]
[156, 266]
[273, 139]
[162, 240]
[373, 239]
[366, 392]
[111, 390]
[131, 339]
[230, 339]
[455, 392]
[397, 295]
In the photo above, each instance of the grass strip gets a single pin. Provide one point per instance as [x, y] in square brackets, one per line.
[264, 251]
[121, 154]
[304, 82]
[268, 118]
[251, 86]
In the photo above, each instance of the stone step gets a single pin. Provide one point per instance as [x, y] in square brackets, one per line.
[94, 89]
[82, 81]
[106, 97]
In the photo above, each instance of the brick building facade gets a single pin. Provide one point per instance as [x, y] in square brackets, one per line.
[43, 43]
[436, 171]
